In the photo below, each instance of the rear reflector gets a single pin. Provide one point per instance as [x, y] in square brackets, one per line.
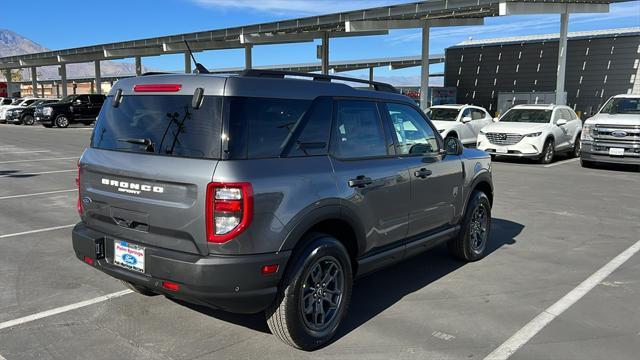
[79, 206]
[88, 260]
[157, 87]
[269, 269]
[170, 286]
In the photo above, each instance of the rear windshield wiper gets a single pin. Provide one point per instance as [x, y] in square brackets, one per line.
[143, 141]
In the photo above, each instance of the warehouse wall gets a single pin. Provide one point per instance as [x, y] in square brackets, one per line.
[597, 68]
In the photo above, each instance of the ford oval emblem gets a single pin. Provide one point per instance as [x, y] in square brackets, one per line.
[129, 259]
[619, 133]
[86, 200]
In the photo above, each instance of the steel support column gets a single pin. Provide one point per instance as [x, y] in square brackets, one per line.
[371, 74]
[98, 77]
[248, 56]
[424, 73]
[187, 63]
[561, 98]
[57, 89]
[7, 75]
[41, 89]
[325, 53]
[63, 79]
[138, 65]
[34, 81]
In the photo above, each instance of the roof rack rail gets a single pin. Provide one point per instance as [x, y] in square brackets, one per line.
[378, 86]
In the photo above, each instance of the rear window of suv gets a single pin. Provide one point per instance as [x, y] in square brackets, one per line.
[161, 124]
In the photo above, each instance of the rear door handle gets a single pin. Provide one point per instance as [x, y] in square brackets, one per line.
[422, 173]
[360, 181]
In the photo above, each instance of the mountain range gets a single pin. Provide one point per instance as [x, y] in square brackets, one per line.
[12, 44]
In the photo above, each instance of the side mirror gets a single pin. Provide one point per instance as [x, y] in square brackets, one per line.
[453, 146]
[561, 122]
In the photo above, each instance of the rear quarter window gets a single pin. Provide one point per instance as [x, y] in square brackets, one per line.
[161, 125]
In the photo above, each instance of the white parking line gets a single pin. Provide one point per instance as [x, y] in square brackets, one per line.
[562, 162]
[35, 194]
[37, 231]
[33, 160]
[62, 309]
[24, 152]
[525, 334]
[19, 174]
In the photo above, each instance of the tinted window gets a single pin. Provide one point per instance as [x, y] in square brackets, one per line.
[261, 127]
[314, 138]
[163, 125]
[413, 133]
[443, 114]
[28, 102]
[97, 99]
[83, 98]
[527, 115]
[357, 131]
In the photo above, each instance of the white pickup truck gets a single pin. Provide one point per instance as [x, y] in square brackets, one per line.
[613, 134]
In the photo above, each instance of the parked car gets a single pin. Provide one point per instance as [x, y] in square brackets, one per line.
[533, 131]
[312, 184]
[613, 134]
[26, 114]
[459, 121]
[21, 102]
[5, 101]
[71, 109]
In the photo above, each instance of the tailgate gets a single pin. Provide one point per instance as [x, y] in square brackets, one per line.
[150, 199]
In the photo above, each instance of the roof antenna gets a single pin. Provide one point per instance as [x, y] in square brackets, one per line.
[199, 68]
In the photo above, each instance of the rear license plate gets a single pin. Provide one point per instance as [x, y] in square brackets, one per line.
[502, 150]
[128, 256]
[616, 152]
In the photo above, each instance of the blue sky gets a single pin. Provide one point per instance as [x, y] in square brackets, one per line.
[73, 23]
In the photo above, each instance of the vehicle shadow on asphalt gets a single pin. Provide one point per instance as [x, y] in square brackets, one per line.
[378, 291]
[14, 174]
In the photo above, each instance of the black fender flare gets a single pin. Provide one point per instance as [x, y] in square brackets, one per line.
[317, 215]
[483, 176]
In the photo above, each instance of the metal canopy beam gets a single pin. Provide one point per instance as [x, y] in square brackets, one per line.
[286, 38]
[519, 8]
[81, 58]
[41, 62]
[373, 25]
[201, 45]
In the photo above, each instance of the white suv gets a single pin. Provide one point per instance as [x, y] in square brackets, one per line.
[16, 103]
[533, 131]
[460, 121]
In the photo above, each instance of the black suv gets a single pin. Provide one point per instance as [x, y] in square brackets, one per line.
[71, 109]
[263, 192]
[25, 115]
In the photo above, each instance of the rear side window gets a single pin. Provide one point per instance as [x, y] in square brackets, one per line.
[314, 137]
[261, 127]
[161, 125]
[357, 131]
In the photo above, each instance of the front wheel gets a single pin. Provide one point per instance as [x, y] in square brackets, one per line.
[62, 121]
[471, 242]
[314, 295]
[28, 120]
[548, 152]
[577, 147]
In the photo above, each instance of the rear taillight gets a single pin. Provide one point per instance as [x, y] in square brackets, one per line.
[229, 210]
[79, 206]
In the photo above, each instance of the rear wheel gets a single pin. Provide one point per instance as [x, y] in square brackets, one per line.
[471, 242]
[577, 147]
[28, 120]
[315, 294]
[139, 289]
[62, 121]
[548, 152]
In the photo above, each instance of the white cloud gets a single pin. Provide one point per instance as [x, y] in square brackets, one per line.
[296, 7]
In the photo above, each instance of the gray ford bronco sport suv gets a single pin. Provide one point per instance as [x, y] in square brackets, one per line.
[268, 192]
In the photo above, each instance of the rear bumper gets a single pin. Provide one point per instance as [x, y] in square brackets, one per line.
[230, 283]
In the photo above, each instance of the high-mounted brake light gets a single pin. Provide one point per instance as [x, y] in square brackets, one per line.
[79, 205]
[157, 87]
[229, 210]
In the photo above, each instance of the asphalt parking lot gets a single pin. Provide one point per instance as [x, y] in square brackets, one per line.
[553, 228]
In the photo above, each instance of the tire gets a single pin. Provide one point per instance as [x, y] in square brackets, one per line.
[470, 245]
[287, 318]
[28, 120]
[548, 152]
[62, 121]
[577, 147]
[139, 289]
